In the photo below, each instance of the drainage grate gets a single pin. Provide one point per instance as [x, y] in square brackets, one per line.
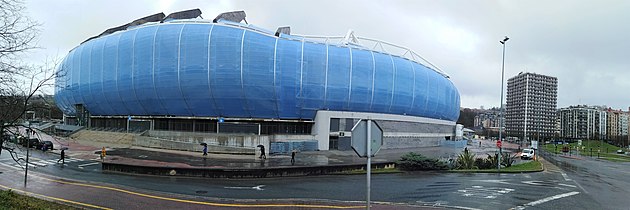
[201, 192]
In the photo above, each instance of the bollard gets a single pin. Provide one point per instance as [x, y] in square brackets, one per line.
[591, 152]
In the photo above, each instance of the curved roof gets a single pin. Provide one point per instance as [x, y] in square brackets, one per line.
[199, 68]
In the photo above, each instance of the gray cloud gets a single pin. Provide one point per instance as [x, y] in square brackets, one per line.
[583, 43]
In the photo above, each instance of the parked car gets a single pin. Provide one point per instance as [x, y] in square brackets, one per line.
[527, 154]
[32, 142]
[48, 145]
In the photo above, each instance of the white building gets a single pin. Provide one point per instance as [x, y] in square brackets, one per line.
[582, 122]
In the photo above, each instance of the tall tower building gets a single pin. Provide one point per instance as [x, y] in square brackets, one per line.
[531, 106]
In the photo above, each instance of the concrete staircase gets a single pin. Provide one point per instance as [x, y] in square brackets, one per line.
[104, 138]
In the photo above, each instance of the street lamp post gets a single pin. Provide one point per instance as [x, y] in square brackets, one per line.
[502, 118]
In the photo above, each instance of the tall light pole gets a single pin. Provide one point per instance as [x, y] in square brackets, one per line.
[502, 118]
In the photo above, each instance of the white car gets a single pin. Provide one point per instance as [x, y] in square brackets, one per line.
[527, 154]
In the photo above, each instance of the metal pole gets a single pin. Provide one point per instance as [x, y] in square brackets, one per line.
[369, 159]
[501, 120]
[28, 148]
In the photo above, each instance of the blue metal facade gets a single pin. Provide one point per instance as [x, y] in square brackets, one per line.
[212, 69]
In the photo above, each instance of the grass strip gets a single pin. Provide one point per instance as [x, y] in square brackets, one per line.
[13, 200]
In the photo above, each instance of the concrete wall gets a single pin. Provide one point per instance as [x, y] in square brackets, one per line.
[410, 142]
[218, 143]
[240, 172]
[191, 141]
[399, 131]
[153, 142]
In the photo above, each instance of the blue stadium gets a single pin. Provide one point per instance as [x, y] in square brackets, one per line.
[181, 68]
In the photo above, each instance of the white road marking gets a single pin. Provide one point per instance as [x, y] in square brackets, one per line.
[578, 184]
[564, 175]
[532, 182]
[259, 187]
[494, 181]
[566, 185]
[11, 166]
[547, 199]
[481, 192]
[51, 161]
[43, 162]
[88, 164]
[37, 164]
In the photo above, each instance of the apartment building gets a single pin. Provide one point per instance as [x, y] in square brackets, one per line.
[487, 118]
[582, 122]
[531, 106]
[617, 124]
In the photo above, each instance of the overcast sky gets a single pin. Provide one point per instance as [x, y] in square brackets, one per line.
[585, 44]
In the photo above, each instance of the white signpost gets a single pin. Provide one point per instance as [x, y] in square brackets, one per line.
[366, 141]
[535, 144]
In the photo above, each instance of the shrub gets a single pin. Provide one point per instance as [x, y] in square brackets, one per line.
[483, 163]
[417, 162]
[465, 160]
[493, 160]
[507, 159]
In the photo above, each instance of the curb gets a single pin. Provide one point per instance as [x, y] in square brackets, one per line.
[284, 171]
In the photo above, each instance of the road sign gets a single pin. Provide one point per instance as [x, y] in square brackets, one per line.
[535, 144]
[359, 138]
[221, 120]
[366, 140]
[499, 143]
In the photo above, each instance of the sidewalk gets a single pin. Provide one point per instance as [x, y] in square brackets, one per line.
[144, 160]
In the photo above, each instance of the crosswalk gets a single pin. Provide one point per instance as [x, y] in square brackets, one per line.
[36, 162]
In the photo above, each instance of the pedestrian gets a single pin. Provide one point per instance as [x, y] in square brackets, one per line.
[479, 143]
[205, 149]
[63, 157]
[262, 152]
[293, 157]
[466, 150]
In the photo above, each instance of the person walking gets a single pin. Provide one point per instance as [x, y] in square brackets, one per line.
[205, 149]
[63, 157]
[293, 157]
[262, 152]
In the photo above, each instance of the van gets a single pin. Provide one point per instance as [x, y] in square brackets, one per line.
[527, 154]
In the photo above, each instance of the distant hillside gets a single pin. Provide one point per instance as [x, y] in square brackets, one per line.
[467, 117]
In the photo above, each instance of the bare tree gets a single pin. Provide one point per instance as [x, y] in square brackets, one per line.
[19, 82]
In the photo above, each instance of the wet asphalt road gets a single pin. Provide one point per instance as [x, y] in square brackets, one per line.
[574, 184]
[608, 183]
